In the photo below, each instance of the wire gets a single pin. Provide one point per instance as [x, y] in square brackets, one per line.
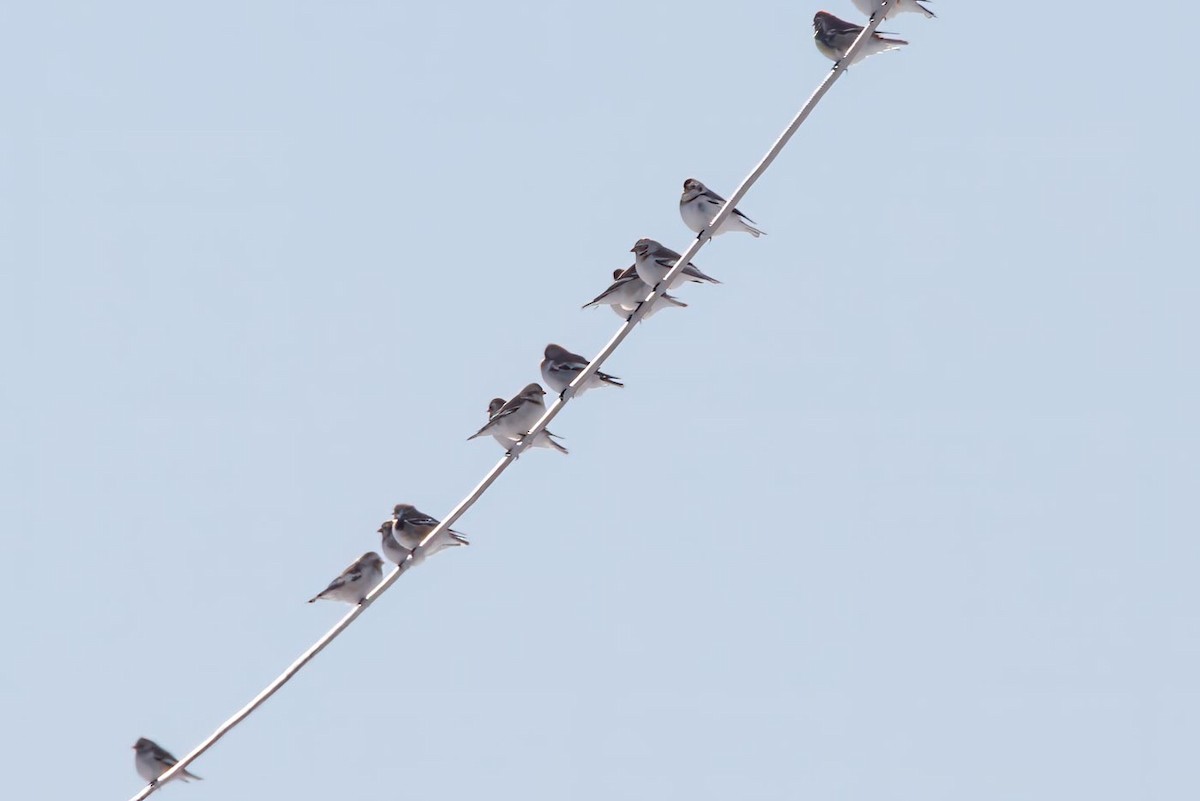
[511, 456]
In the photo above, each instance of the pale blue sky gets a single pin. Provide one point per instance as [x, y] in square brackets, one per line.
[916, 512]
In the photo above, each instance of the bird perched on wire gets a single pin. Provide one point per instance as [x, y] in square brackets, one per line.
[355, 582]
[408, 526]
[411, 526]
[869, 7]
[390, 546]
[653, 261]
[515, 417]
[834, 37]
[628, 291]
[495, 405]
[560, 367]
[698, 205]
[152, 761]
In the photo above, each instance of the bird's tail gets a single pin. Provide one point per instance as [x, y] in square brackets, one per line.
[547, 439]
[674, 301]
[458, 538]
[599, 300]
[747, 224]
[695, 272]
[608, 380]
[928, 14]
[187, 775]
[671, 300]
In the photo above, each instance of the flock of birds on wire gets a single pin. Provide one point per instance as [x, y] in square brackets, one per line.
[510, 421]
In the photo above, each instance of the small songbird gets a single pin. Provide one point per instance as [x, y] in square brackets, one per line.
[560, 367]
[152, 761]
[513, 420]
[869, 7]
[412, 525]
[404, 531]
[834, 37]
[653, 261]
[356, 581]
[544, 439]
[698, 205]
[494, 406]
[628, 291]
[391, 548]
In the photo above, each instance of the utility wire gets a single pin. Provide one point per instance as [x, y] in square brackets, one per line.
[511, 456]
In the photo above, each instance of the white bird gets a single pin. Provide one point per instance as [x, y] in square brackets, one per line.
[513, 420]
[560, 367]
[834, 36]
[698, 205]
[544, 439]
[411, 526]
[494, 406]
[654, 260]
[404, 532]
[355, 582]
[152, 761]
[392, 549]
[869, 7]
[628, 291]
[507, 442]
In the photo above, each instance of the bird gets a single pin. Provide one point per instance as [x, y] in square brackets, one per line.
[628, 291]
[494, 406]
[507, 442]
[515, 417]
[403, 532]
[653, 261]
[390, 546]
[665, 301]
[411, 526]
[355, 582]
[834, 36]
[869, 7]
[152, 761]
[560, 367]
[698, 205]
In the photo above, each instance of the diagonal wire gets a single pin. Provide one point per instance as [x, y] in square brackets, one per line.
[511, 456]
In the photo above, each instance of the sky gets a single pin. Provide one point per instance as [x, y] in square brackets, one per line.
[905, 508]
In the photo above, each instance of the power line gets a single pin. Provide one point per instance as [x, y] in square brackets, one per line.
[511, 456]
